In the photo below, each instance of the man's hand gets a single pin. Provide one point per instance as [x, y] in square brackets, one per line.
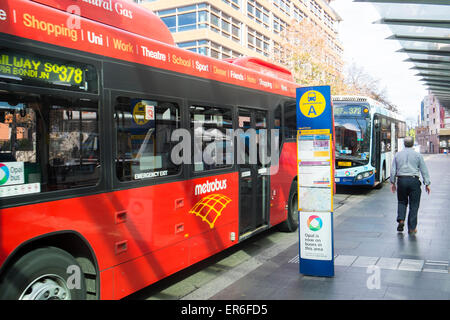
[427, 188]
[393, 187]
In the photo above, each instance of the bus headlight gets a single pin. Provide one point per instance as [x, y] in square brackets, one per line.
[364, 175]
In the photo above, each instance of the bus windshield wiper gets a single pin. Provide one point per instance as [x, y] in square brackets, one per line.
[352, 158]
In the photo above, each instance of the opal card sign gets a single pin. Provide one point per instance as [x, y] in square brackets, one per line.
[315, 242]
[315, 175]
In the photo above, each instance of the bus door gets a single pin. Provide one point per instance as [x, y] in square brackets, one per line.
[376, 147]
[253, 173]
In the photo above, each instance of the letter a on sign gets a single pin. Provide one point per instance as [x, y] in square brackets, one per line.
[312, 110]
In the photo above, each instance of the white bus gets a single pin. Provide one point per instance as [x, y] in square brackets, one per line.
[368, 135]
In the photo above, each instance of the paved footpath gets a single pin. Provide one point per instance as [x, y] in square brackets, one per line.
[407, 267]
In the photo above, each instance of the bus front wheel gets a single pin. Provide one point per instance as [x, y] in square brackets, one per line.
[44, 274]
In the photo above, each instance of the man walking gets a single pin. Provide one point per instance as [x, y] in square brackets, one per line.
[405, 168]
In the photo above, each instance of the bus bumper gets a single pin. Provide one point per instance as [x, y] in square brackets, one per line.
[351, 181]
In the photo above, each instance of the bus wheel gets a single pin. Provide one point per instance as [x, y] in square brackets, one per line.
[44, 274]
[291, 223]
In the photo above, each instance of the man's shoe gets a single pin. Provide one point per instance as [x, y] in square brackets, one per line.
[412, 231]
[401, 224]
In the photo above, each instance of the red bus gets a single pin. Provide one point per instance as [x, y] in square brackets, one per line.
[92, 206]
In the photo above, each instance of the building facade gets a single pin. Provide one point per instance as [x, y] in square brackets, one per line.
[232, 28]
[433, 133]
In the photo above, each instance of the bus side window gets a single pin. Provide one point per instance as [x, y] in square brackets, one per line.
[50, 142]
[143, 131]
[74, 155]
[277, 124]
[385, 135]
[209, 125]
[376, 139]
[18, 139]
[290, 120]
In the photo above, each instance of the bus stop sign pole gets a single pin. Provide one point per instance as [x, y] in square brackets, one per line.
[315, 178]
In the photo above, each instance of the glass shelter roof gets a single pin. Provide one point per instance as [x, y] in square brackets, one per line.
[422, 28]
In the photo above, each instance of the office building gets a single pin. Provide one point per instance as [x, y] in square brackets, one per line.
[231, 28]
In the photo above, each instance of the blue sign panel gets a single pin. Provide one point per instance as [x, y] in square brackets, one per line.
[314, 108]
[315, 165]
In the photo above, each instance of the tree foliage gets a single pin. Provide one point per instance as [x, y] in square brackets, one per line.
[305, 51]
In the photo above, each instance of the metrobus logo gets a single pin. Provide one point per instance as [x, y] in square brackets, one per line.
[207, 187]
[210, 208]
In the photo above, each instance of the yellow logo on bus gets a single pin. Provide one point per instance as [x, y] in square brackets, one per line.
[312, 104]
[210, 208]
[139, 113]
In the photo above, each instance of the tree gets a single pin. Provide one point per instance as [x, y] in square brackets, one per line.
[359, 82]
[304, 51]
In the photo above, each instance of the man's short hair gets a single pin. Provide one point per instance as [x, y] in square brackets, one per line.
[409, 141]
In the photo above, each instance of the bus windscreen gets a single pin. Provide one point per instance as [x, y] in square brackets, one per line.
[352, 127]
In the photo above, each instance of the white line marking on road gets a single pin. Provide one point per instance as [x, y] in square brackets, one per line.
[388, 263]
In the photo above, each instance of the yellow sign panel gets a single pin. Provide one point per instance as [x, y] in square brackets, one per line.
[315, 131]
[139, 113]
[312, 104]
[344, 163]
[319, 154]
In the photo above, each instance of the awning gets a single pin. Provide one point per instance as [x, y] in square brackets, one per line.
[422, 28]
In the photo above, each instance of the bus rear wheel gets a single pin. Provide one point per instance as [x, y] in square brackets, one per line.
[44, 274]
[291, 223]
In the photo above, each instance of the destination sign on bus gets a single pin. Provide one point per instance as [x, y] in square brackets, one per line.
[350, 110]
[18, 66]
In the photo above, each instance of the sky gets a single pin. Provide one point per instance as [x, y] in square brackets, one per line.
[365, 44]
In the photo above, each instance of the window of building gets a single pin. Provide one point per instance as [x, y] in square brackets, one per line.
[171, 23]
[236, 30]
[202, 16]
[279, 25]
[258, 42]
[185, 18]
[316, 9]
[187, 21]
[209, 48]
[283, 5]
[299, 15]
[143, 131]
[258, 13]
[233, 3]
[226, 24]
